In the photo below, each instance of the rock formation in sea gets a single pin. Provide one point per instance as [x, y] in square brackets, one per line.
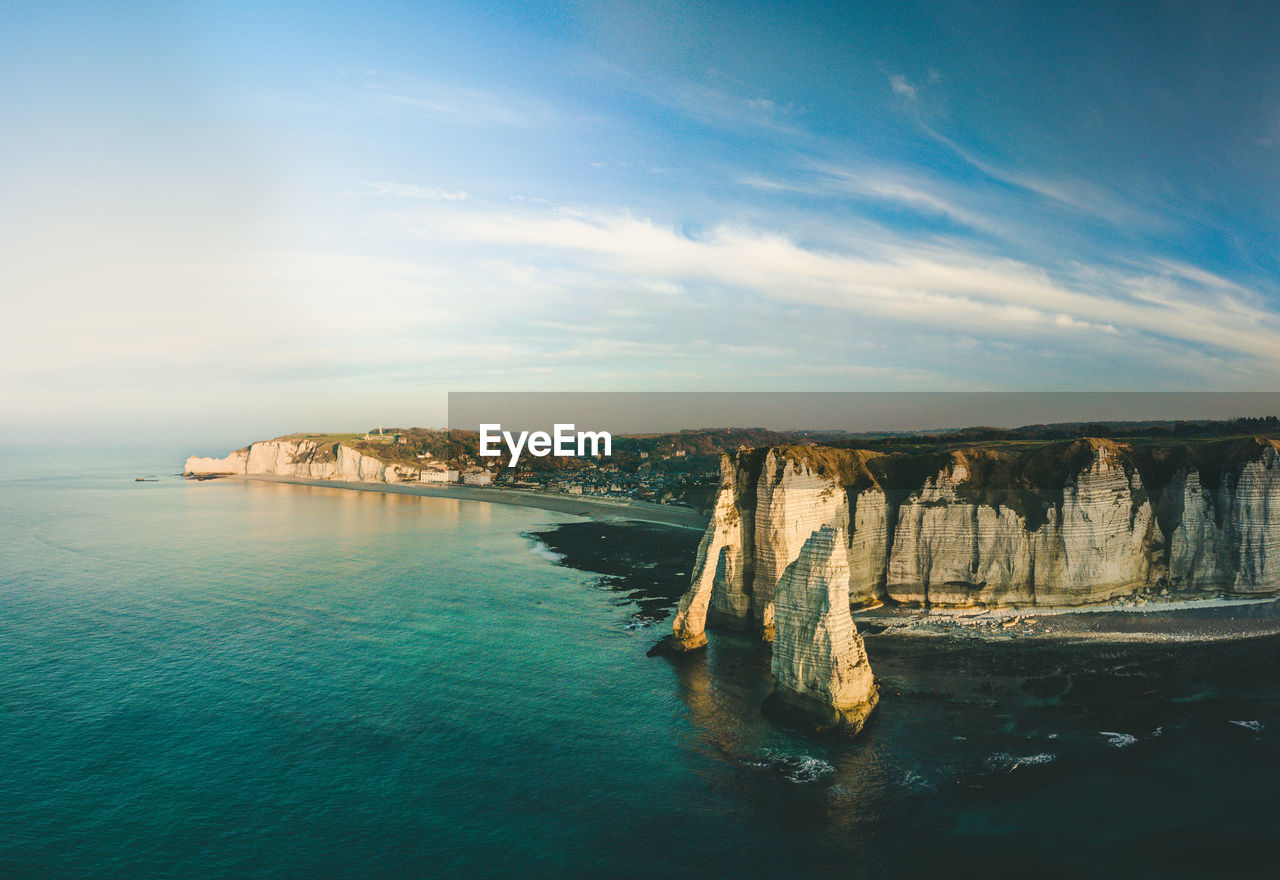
[820, 670]
[1052, 524]
[305, 459]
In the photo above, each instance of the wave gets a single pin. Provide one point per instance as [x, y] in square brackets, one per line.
[800, 769]
[916, 781]
[541, 549]
[1003, 762]
[1118, 740]
[1255, 726]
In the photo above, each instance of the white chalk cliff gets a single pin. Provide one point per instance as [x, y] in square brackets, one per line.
[718, 568]
[1093, 546]
[1074, 524]
[1228, 536]
[820, 670]
[304, 459]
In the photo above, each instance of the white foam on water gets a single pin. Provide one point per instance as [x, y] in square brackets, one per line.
[1118, 740]
[541, 549]
[915, 780]
[1255, 726]
[1003, 762]
[799, 769]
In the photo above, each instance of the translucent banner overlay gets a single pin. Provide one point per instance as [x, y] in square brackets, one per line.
[870, 413]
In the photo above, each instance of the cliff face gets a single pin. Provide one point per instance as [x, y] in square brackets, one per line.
[820, 669]
[1064, 524]
[305, 459]
[792, 502]
[1095, 545]
[723, 567]
[1228, 537]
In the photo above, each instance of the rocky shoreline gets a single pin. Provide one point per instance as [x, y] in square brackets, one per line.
[1206, 619]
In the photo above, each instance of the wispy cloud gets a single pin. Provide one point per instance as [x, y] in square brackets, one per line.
[941, 285]
[413, 191]
[901, 87]
[461, 104]
[1075, 195]
[716, 100]
[873, 182]
[718, 104]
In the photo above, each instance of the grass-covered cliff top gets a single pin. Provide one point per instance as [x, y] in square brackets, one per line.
[1026, 476]
[400, 445]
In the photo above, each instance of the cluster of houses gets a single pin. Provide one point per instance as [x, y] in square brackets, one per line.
[439, 472]
[641, 479]
[601, 482]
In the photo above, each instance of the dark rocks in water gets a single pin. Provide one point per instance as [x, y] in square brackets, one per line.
[644, 561]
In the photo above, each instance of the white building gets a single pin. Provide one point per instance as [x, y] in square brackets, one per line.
[477, 478]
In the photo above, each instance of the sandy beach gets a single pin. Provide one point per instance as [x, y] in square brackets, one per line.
[591, 507]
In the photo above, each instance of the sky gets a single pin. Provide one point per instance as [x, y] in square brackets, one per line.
[235, 220]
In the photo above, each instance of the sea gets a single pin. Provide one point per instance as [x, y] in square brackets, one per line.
[234, 679]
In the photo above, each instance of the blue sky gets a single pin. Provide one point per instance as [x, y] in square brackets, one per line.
[261, 217]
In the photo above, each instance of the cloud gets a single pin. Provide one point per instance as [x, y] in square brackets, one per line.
[874, 183]
[902, 87]
[717, 100]
[1077, 195]
[909, 190]
[464, 105]
[413, 191]
[933, 284]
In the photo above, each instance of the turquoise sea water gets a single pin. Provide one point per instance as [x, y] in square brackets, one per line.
[232, 679]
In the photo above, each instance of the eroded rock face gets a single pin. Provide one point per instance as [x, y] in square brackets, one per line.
[719, 559]
[968, 533]
[1228, 537]
[792, 502]
[1097, 544]
[947, 550]
[819, 664]
[304, 459]
[869, 542]
[1100, 543]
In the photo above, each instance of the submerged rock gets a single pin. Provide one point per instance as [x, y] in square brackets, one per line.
[820, 669]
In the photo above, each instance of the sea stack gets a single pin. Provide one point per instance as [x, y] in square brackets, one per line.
[820, 670]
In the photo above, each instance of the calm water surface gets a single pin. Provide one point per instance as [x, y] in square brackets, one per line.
[230, 679]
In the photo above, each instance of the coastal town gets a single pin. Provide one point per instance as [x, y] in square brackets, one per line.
[664, 469]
